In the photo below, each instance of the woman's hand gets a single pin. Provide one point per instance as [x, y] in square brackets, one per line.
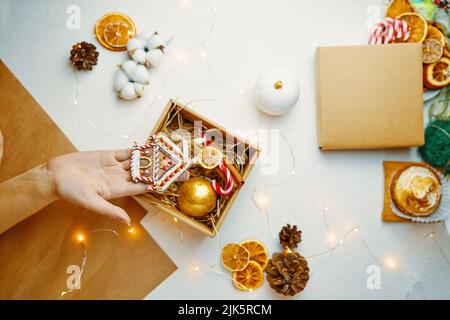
[89, 179]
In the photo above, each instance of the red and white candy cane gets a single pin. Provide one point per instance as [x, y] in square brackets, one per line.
[229, 179]
[389, 30]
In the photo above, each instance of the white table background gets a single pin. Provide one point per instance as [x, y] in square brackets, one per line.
[240, 40]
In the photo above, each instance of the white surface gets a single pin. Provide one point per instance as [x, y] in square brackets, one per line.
[245, 38]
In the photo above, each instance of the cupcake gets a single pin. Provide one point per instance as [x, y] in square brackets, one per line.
[416, 191]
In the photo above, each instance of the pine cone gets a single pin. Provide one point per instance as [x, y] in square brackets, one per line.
[287, 273]
[290, 237]
[83, 55]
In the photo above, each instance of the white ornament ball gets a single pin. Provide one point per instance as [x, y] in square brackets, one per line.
[276, 91]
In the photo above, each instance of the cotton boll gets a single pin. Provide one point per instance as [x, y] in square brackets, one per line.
[128, 66]
[138, 55]
[140, 74]
[139, 88]
[144, 35]
[120, 81]
[155, 41]
[128, 92]
[134, 44]
[154, 57]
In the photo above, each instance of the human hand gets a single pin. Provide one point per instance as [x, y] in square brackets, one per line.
[89, 179]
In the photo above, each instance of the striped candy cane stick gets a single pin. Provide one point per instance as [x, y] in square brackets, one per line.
[229, 179]
[388, 30]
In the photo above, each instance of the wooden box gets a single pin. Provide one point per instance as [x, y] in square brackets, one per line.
[148, 200]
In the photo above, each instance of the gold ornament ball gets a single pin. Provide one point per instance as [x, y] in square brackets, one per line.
[196, 197]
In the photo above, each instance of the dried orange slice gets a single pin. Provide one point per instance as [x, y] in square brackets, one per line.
[397, 7]
[432, 51]
[210, 157]
[234, 257]
[258, 252]
[250, 278]
[437, 75]
[114, 21]
[436, 34]
[417, 26]
[117, 34]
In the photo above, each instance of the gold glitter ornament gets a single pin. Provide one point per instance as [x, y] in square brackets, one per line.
[196, 197]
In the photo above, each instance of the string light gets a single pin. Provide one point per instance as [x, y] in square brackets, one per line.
[203, 54]
[80, 237]
[131, 230]
[390, 263]
[175, 219]
[185, 3]
[197, 268]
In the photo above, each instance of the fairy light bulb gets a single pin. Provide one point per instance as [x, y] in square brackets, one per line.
[131, 230]
[175, 219]
[331, 237]
[185, 3]
[261, 199]
[203, 53]
[196, 268]
[390, 263]
[81, 237]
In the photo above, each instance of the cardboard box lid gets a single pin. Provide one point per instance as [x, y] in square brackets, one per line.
[370, 97]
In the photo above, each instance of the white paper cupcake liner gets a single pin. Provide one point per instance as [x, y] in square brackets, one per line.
[441, 212]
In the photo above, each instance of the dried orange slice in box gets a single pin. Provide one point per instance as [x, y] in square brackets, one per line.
[258, 252]
[234, 257]
[113, 31]
[397, 7]
[210, 157]
[417, 26]
[249, 279]
[437, 75]
[432, 51]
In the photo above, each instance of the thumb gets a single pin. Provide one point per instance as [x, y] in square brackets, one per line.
[103, 207]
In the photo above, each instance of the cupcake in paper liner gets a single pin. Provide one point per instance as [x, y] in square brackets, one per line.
[419, 193]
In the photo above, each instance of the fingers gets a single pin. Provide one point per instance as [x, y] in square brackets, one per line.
[126, 165]
[129, 188]
[99, 205]
[122, 155]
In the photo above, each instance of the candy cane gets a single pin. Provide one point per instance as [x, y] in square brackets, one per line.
[226, 173]
[389, 30]
[229, 181]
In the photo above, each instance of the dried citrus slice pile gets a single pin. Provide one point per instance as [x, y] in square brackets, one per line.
[247, 261]
[417, 26]
[397, 7]
[249, 279]
[258, 252]
[432, 50]
[113, 31]
[437, 75]
[234, 257]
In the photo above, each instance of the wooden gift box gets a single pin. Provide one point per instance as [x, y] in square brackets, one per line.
[150, 201]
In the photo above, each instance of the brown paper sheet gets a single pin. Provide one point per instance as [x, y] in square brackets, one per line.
[35, 254]
[370, 97]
